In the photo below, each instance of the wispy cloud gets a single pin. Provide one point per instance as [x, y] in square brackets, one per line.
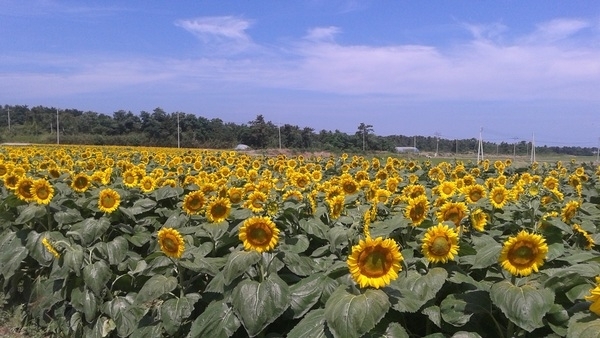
[222, 31]
[490, 66]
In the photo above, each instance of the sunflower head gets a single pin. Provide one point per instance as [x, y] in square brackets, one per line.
[42, 191]
[375, 262]
[524, 253]
[108, 200]
[147, 184]
[417, 209]
[440, 244]
[81, 182]
[453, 212]
[171, 242]
[218, 210]
[23, 189]
[259, 234]
[194, 202]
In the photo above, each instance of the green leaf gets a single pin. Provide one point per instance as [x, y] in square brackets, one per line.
[165, 192]
[84, 301]
[125, 315]
[155, 287]
[349, 315]
[67, 216]
[139, 238]
[488, 251]
[260, 304]
[116, 250]
[433, 313]
[217, 320]
[314, 227]
[74, 258]
[457, 308]
[311, 326]
[336, 236]
[584, 325]
[305, 294]
[30, 212]
[96, 276]
[395, 330]
[300, 265]
[37, 250]
[523, 305]
[297, 244]
[465, 334]
[239, 262]
[89, 230]
[410, 293]
[142, 205]
[174, 311]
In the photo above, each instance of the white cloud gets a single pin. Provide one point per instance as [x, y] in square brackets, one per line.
[479, 69]
[322, 33]
[220, 30]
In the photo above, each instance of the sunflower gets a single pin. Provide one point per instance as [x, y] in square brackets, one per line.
[479, 220]
[499, 196]
[381, 196]
[193, 202]
[11, 180]
[218, 210]
[294, 195]
[259, 234]
[235, 195]
[256, 201]
[446, 189]
[440, 244]
[42, 191]
[524, 253]
[81, 182]
[348, 184]
[23, 189]
[336, 206]
[375, 262]
[473, 193]
[50, 247]
[147, 184]
[588, 241]
[108, 200]
[594, 298]
[171, 242]
[417, 209]
[452, 211]
[130, 178]
[569, 211]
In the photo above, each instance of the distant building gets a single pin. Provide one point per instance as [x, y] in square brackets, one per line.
[407, 149]
[241, 147]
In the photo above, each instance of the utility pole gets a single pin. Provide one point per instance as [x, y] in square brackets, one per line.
[480, 146]
[532, 147]
[178, 130]
[437, 142]
[279, 131]
[515, 148]
[598, 152]
[57, 128]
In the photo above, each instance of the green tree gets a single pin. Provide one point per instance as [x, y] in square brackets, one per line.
[363, 132]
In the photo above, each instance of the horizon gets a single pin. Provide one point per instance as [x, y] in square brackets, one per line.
[514, 69]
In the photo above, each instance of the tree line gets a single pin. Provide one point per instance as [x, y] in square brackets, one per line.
[20, 123]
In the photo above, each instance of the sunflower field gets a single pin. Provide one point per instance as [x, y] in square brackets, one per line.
[157, 242]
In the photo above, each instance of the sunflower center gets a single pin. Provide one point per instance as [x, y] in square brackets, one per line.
[257, 203]
[235, 198]
[417, 212]
[170, 244]
[522, 254]
[447, 190]
[195, 204]
[108, 201]
[349, 187]
[259, 235]
[375, 262]
[81, 182]
[219, 210]
[499, 198]
[42, 193]
[129, 179]
[475, 196]
[440, 246]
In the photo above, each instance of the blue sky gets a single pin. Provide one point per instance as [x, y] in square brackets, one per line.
[513, 68]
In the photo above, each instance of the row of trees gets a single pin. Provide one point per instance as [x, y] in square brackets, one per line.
[158, 128]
